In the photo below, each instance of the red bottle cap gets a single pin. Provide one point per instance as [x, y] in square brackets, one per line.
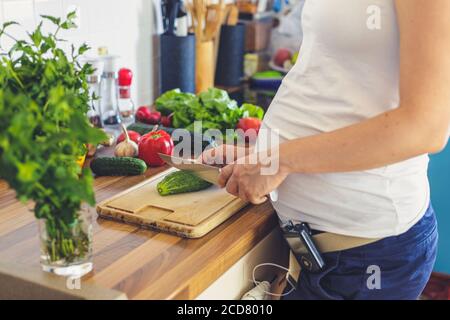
[125, 93]
[125, 77]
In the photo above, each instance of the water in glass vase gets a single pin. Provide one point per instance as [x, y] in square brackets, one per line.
[66, 247]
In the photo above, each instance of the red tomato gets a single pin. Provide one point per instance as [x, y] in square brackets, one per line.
[249, 123]
[153, 143]
[166, 121]
[143, 113]
[134, 136]
[281, 56]
[154, 118]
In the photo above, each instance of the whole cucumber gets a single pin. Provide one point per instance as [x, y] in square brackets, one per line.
[181, 182]
[121, 166]
[143, 128]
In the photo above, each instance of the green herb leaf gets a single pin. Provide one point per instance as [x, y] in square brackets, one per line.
[9, 23]
[83, 49]
[71, 15]
[54, 20]
[44, 98]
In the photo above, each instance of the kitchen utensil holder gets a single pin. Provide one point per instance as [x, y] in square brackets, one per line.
[204, 78]
[177, 63]
[230, 61]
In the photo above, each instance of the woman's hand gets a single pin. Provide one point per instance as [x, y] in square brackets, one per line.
[245, 179]
[223, 154]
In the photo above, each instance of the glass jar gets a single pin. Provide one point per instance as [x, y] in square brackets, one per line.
[66, 248]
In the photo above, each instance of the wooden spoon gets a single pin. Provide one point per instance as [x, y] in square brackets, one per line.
[233, 16]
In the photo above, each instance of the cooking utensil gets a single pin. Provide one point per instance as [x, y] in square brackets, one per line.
[233, 15]
[164, 14]
[211, 20]
[181, 22]
[204, 65]
[203, 171]
[173, 6]
[214, 19]
[159, 17]
[199, 15]
[191, 215]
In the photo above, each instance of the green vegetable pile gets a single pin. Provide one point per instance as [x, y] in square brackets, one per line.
[44, 129]
[213, 107]
[181, 182]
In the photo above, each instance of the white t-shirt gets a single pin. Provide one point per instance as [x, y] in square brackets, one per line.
[348, 71]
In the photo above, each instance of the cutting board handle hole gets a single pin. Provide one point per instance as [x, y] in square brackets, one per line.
[153, 212]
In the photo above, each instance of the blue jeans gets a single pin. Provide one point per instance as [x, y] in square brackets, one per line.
[394, 268]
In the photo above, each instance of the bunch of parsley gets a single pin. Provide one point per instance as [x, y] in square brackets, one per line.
[44, 129]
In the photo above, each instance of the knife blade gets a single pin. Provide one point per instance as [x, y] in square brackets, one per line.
[203, 171]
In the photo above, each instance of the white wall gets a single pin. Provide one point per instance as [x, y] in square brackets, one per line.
[124, 26]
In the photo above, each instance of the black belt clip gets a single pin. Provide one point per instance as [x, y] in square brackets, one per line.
[306, 252]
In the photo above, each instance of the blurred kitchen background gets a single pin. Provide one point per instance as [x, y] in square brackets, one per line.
[125, 27]
[128, 28]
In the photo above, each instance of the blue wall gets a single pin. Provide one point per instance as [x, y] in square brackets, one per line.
[440, 196]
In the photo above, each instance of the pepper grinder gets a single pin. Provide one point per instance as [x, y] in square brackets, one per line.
[126, 104]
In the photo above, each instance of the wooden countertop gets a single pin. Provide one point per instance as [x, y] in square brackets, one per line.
[143, 264]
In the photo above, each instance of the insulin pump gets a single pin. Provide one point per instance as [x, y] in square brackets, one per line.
[299, 238]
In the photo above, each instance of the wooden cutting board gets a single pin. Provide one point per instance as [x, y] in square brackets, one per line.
[190, 215]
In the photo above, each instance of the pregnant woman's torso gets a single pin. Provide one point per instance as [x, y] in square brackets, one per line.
[348, 71]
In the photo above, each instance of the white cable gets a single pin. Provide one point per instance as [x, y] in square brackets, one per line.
[257, 283]
[258, 292]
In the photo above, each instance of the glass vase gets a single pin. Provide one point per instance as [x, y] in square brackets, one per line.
[66, 247]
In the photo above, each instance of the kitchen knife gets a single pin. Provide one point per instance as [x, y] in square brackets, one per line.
[203, 171]
[173, 6]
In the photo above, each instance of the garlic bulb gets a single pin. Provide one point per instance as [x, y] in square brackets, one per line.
[109, 141]
[126, 148]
